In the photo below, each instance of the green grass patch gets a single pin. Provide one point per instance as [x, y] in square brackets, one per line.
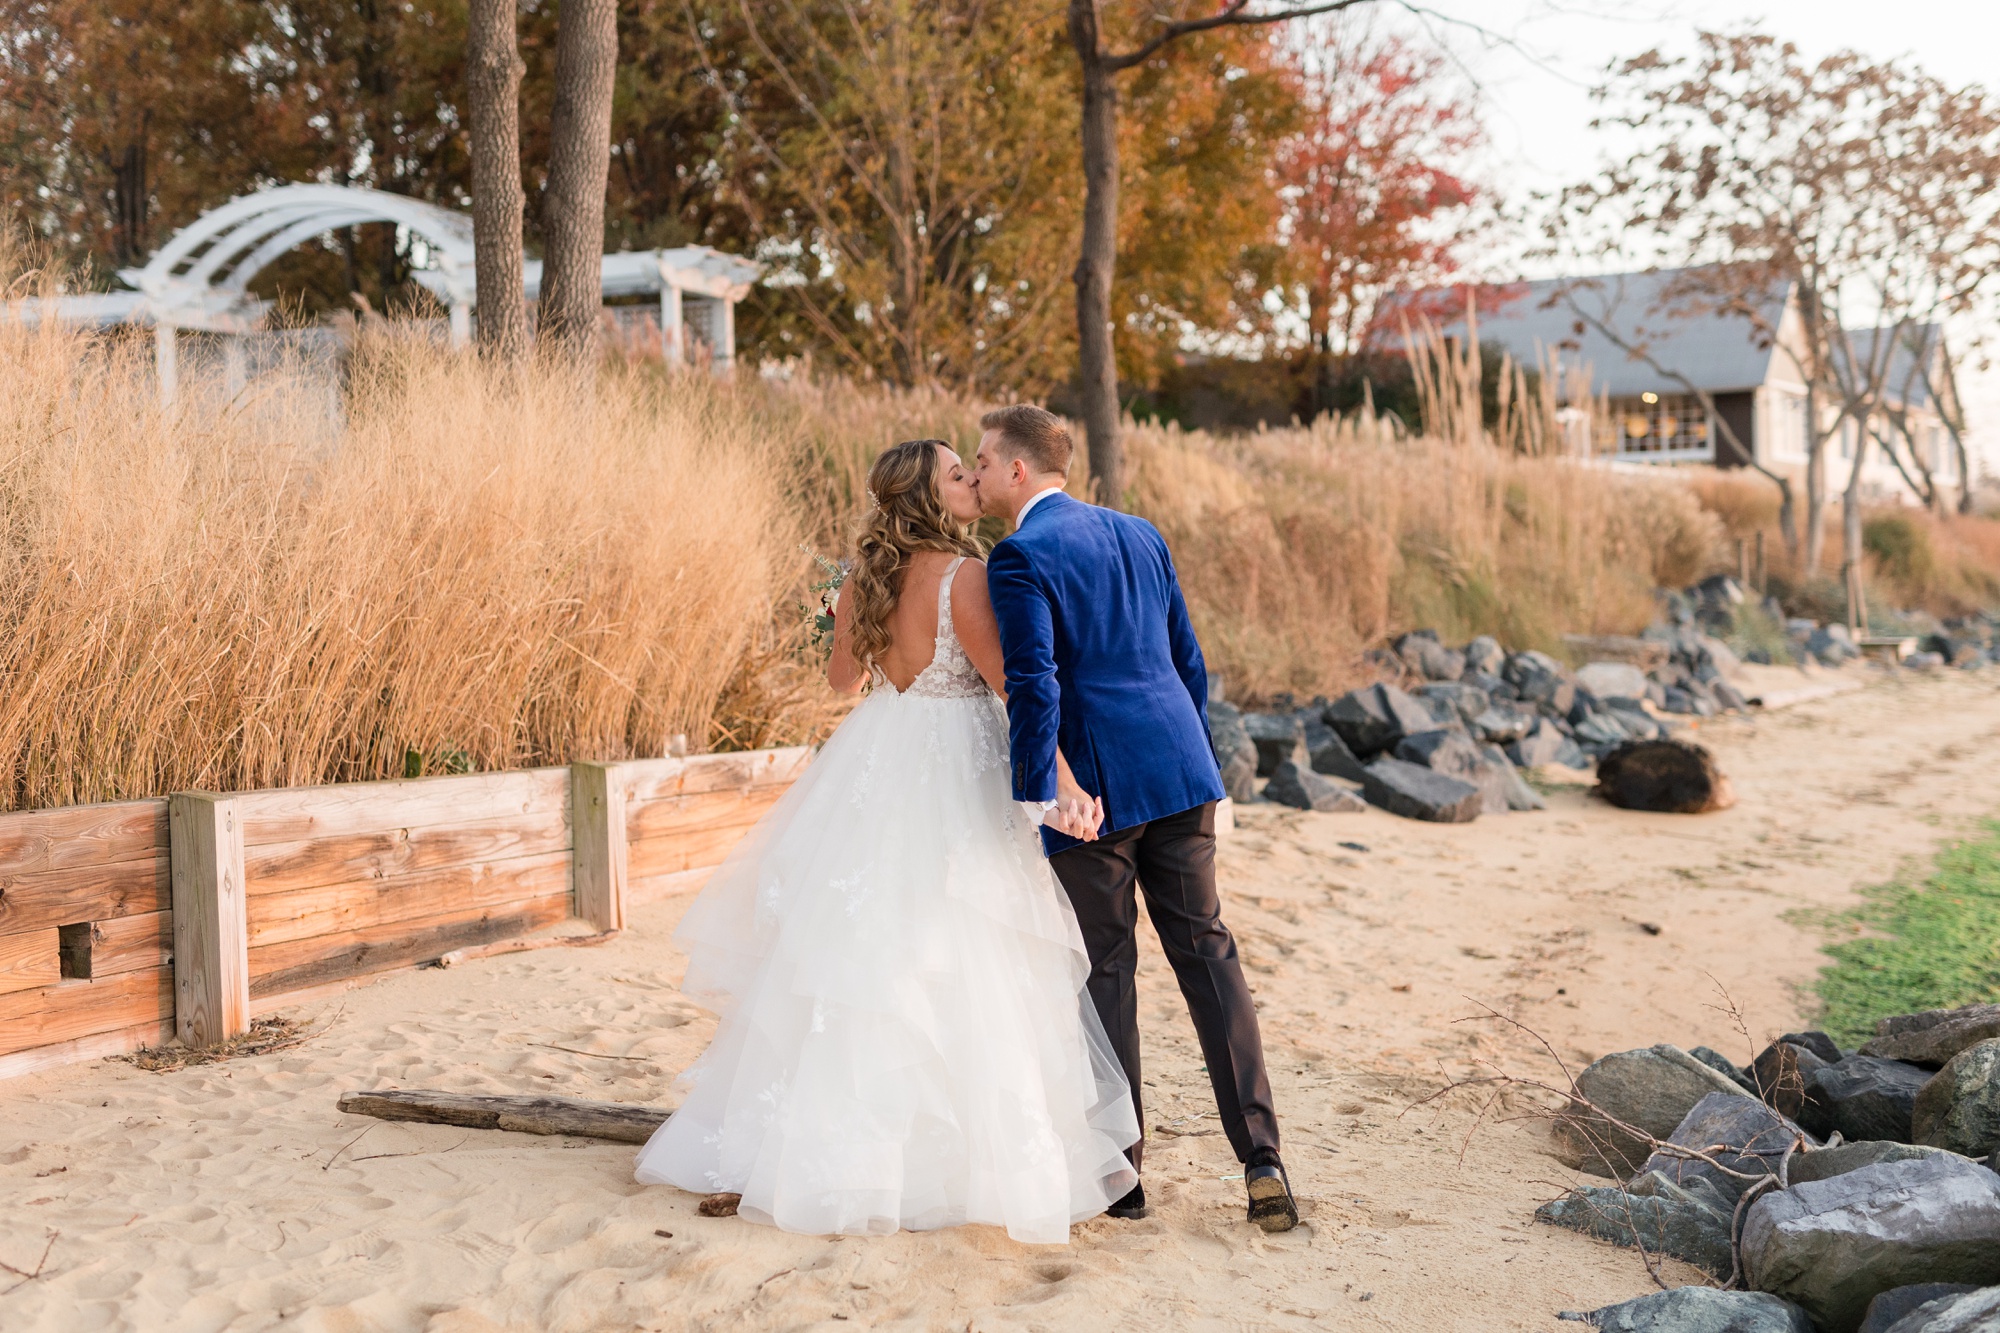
[1930, 944]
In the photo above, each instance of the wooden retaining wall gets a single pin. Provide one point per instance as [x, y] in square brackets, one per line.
[123, 924]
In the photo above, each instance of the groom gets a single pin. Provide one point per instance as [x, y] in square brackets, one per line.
[1102, 661]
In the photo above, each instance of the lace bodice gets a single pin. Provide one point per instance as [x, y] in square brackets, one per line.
[950, 674]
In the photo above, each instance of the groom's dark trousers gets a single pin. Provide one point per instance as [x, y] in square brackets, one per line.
[1171, 862]
[1102, 661]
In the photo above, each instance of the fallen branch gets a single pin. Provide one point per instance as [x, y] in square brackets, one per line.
[617, 1121]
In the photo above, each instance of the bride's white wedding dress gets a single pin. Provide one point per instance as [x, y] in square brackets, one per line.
[904, 1039]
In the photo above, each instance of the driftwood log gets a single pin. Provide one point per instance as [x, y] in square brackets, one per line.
[1670, 776]
[616, 1121]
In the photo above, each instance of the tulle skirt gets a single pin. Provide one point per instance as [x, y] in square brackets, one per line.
[905, 1040]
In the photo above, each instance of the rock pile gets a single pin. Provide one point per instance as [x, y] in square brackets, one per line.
[1445, 740]
[1852, 1191]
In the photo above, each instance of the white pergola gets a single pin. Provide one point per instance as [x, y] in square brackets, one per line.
[200, 279]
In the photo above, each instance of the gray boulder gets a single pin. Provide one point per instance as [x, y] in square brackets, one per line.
[1889, 1309]
[1496, 688]
[1234, 751]
[1700, 1310]
[1783, 1070]
[1651, 1089]
[1544, 743]
[1456, 755]
[1415, 792]
[1372, 720]
[1723, 1065]
[1959, 1107]
[1423, 654]
[1503, 723]
[1934, 1036]
[1331, 756]
[1735, 1134]
[1652, 1214]
[1612, 680]
[1976, 1311]
[1865, 1097]
[1833, 1245]
[1278, 737]
[1540, 679]
[1673, 777]
[1303, 789]
[1466, 702]
[1485, 655]
[1825, 1163]
[1520, 796]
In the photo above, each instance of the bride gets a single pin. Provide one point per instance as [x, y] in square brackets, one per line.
[904, 1039]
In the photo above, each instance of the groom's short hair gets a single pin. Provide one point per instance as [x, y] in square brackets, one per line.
[1036, 437]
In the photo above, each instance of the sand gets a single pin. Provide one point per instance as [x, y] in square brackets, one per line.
[235, 1196]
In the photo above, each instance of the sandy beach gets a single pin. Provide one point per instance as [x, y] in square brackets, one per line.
[235, 1196]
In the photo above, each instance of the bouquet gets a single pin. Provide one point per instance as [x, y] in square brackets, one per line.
[826, 592]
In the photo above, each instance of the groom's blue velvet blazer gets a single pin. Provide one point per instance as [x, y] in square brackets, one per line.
[1102, 660]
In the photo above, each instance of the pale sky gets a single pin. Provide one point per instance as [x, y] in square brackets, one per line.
[1535, 85]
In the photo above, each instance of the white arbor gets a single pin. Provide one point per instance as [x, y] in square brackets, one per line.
[200, 279]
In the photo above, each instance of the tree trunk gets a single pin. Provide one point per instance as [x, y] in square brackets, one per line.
[493, 72]
[1850, 533]
[1097, 359]
[579, 163]
[1815, 485]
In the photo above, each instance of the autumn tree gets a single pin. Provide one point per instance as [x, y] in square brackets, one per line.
[579, 160]
[1374, 195]
[493, 70]
[1871, 186]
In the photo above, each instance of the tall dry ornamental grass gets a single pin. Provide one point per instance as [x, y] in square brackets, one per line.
[473, 573]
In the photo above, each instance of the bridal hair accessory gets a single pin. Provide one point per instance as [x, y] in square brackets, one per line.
[873, 502]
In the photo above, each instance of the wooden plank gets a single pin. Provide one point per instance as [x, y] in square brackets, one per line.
[656, 887]
[297, 814]
[94, 1047]
[132, 944]
[29, 960]
[211, 941]
[597, 805]
[74, 836]
[385, 853]
[676, 815]
[657, 779]
[72, 1009]
[651, 857]
[335, 909]
[617, 1121]
[39, 899]
[303, 964]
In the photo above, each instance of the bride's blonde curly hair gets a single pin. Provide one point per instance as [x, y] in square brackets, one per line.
[906, 514]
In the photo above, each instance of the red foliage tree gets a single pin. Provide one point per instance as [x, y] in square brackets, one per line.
[1372, 182]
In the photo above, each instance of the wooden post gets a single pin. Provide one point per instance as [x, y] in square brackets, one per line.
[597, 824]
[211, 938]
[1763, 574]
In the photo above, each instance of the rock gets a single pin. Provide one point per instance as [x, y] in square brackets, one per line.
[1234, 751]
[1612, 680]
[1422, 653]
[1833, 1245]
[1443, 713]
[1651, 1089]
[1887, 1309]
[1976, 1311]
[1701, 1310]
[1728, 698]
[1540, 679]
[1723, 1065]
[1372, 720]
[1934, 1036]
[1503, 723]
[1494, 687]
[1485, 655]
[1520, 796]
[1825, 1163]
[1959, 1107]
[1415, 792]
[1866, 1097]
[1740, 1133]
[1674, 777]
[1332, 756]
[1456, 755]
[1303, 789]
[1544, 743]
[1466, 701]
[1831, 645]
[1782, 1071]
[1277, 736]
[1817, 1042]
[1652, 1213]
